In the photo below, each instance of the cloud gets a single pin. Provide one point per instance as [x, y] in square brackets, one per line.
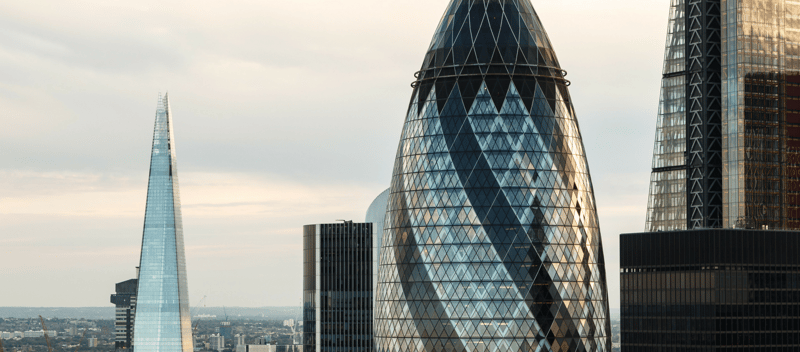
[59, 224]
[286, 113]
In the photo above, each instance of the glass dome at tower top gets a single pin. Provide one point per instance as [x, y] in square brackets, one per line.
[490, 32]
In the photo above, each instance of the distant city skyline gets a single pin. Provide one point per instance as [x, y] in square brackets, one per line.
[260, 109]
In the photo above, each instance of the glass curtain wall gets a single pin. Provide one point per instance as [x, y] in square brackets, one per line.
[162, 322]
[666, 209]
[491, 241]
[760, 43]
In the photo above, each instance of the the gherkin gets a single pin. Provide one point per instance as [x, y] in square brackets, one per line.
[491, 241]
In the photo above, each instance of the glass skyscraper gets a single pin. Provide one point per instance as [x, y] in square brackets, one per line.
[727, 150]
[162, 322]
[711, 272]
[338, 288]
[667, 203]
[491, 241]
[376, 214]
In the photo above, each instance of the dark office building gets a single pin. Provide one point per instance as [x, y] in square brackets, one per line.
[711, 290]
[337, 287]
[125, 300]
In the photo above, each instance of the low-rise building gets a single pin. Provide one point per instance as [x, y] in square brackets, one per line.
[34, 333]
[263, 340]
[216, 342]
[288, 348]
[255, 348]
[238, 340]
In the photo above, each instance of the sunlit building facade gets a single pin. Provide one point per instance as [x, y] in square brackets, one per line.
[491, 241]
[162, 322]
[713, 271]
[727, 150]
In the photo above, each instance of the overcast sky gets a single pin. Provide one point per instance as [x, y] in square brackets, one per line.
[286, 113]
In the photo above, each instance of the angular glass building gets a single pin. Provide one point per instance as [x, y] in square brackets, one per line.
[667, 203]
[727, 150]
[491, 241]
[162, 322]
[711, 273]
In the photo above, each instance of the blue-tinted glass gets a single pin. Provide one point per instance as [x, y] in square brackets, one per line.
[491, 240]
[162, 322]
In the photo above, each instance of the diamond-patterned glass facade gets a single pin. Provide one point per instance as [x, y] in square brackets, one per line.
[491, 241]
[162, 322]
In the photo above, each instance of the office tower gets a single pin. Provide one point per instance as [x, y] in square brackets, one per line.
[711, 290]
[226, 330]
[162, 322]
[125, 301]
[238, 340]
[709, 275]
[216, 342]
[491, 241]
[376, 214]
[337, 287]
[727, 144]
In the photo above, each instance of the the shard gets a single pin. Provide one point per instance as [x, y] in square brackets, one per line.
[162, 322]
[491, 241]
[666, 209]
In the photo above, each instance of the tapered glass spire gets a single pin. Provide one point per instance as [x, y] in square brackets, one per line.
[666, 207]
[491, 241]
[162, 322]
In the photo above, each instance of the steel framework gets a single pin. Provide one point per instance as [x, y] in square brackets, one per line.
[704, 114]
